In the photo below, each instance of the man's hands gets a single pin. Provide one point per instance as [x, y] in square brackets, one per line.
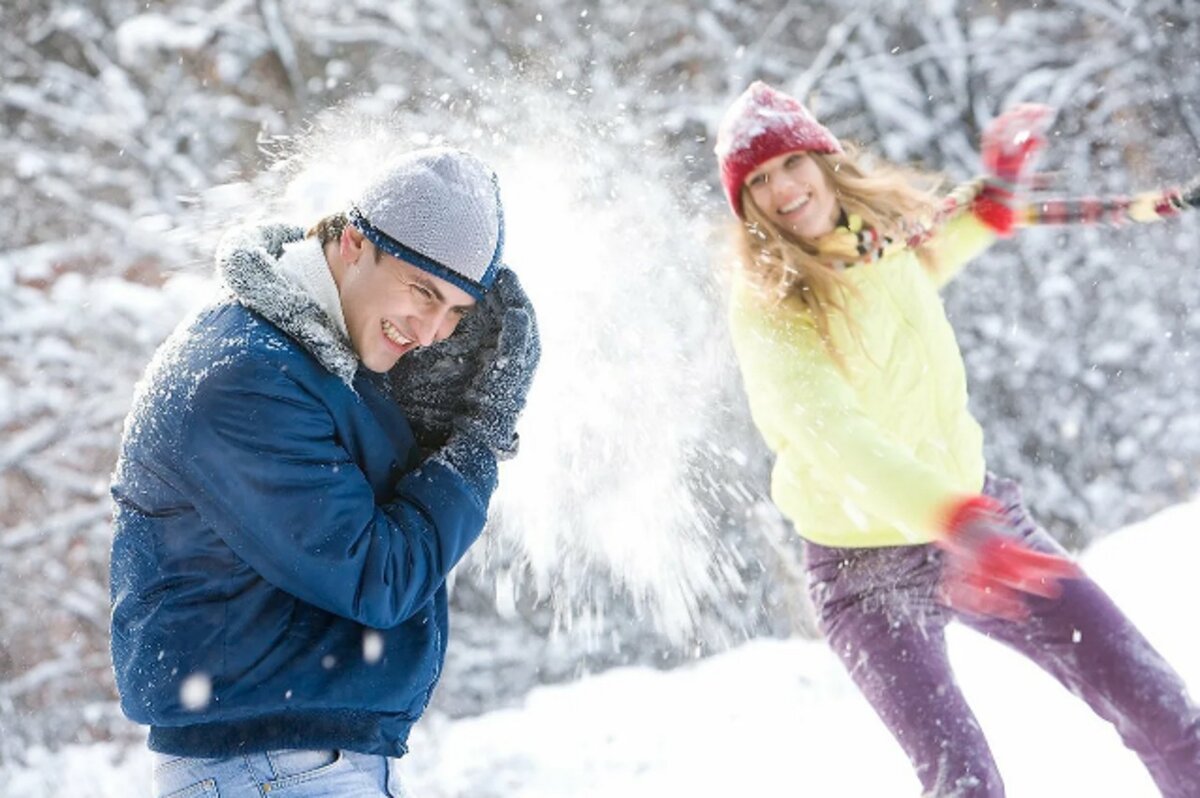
[476, 381]
[1010, 145]
[988, 571]
[497, 392]
[430, 382]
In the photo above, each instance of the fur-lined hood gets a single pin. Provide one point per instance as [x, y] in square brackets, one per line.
[248, 264]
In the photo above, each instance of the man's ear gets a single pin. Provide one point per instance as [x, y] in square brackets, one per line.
[350, 245]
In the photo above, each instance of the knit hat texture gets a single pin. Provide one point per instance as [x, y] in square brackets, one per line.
[438, 209]
[761, 124]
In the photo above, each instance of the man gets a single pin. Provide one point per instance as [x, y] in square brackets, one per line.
[279, 609]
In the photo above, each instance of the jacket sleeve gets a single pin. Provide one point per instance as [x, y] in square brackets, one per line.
[270, 476]
[800, 397]
[959, 240]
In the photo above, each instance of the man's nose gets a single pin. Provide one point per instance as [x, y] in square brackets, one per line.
[430, 324]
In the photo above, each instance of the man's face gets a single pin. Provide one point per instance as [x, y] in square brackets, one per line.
[392, 307]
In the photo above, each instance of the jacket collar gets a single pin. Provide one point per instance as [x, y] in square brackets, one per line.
[248, 264]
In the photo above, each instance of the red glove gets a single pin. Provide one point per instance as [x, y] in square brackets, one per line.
[1010, 143]
[988, 571]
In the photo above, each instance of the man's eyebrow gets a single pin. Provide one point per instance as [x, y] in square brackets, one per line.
[424, 280]
[429, 284]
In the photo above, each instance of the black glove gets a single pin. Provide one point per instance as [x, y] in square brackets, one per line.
[429, 382]
[481, 427]
[498, 390]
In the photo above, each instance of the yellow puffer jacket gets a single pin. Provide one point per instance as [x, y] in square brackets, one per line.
[872, 455]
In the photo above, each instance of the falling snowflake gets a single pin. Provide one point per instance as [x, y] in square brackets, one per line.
[196, 692]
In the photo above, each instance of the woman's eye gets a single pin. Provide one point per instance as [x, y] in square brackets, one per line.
[757, 180]
[793, 160]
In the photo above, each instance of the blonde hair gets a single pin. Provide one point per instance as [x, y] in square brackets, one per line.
[789, 269]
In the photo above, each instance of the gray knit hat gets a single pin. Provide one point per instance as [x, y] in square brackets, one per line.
[438, 209]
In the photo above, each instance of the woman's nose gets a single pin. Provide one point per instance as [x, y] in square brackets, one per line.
[780, 188]
[784, 186]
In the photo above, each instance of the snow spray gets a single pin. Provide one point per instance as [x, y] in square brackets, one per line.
[600, 504]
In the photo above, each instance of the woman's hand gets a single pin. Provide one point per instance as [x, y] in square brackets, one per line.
[988, 571]
[1011, 143]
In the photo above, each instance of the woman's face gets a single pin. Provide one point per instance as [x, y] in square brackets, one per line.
[793, 192]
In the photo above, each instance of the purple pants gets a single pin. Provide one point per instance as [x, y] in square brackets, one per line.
[879, 610]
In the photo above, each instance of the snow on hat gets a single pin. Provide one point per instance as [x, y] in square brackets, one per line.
[760, 125]
[438, 209]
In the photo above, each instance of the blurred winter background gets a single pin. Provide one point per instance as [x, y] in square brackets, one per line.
[633, 530]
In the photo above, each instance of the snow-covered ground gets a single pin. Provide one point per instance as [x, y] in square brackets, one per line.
[769, 718]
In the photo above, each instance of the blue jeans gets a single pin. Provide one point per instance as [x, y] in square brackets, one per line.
[289, 774]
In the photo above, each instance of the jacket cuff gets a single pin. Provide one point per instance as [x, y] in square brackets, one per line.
[472, 460]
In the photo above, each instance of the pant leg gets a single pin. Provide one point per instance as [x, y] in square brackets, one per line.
[877, 608]
[1084, 640]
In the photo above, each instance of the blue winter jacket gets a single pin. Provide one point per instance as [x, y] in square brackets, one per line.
[280, 552]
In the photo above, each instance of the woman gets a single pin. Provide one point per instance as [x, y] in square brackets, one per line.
[856, 382]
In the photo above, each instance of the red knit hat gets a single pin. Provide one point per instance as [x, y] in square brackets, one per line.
[761, 124]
